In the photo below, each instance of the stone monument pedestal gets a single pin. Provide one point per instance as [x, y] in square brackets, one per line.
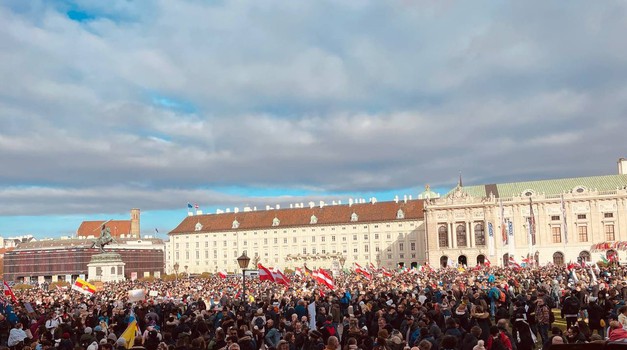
[106, 267]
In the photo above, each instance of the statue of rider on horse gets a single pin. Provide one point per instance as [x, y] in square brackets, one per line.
[104, 239]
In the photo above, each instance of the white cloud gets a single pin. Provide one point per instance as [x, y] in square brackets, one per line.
[166, 98]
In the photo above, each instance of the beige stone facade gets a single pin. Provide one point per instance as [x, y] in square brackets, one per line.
[382, 233]
[594, 210]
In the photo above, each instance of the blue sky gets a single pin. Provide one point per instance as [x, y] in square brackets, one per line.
[153, 104]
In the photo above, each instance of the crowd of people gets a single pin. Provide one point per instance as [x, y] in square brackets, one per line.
[483, 308]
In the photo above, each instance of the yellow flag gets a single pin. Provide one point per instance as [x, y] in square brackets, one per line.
[129, 334]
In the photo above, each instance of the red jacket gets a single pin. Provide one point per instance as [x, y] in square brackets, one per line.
[504, 340]
[618, 334]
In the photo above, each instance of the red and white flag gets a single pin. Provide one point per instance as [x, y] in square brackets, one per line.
[279, 277]
[362, 271]
[9, 292]
[264, 273]
[386, 272]
[513, 263]
[222, 274]
[323, 277]
[486, 262]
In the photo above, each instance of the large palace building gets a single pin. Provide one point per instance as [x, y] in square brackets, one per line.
[329, 236]
[547, 221]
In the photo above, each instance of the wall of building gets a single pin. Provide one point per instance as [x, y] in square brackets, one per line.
[386, 243]
[590, 217]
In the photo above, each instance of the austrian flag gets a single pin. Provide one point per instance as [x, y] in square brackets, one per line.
[264, 273]
[84, 287]
[9, 292]
[323, 277]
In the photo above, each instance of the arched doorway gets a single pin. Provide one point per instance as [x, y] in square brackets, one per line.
[414, 265]
[444, 261]
[536, 257]
[558, 258]
[505, 260]
[462, 260]
[585, 256]
[480, 259]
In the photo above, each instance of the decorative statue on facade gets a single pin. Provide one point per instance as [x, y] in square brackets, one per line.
[104, 239]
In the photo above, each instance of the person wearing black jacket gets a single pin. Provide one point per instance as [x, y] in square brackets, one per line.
[570, 309]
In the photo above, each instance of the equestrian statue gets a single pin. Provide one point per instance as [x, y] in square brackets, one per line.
[104, 239]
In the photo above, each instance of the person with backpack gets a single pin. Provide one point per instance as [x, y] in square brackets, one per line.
[570, 309]
[259, 320]
[497, 340]
[328, 329]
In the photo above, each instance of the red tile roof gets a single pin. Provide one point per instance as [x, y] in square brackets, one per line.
[328, 215]
[92, 228]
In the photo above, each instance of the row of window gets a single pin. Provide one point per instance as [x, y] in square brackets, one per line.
[401, 247]
[582, 216]
[294, 240]
[556, 234]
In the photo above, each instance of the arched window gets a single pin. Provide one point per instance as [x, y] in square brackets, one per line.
[558, 258]
[479, 235]
[443, 236]
[235, 224]
[444, 261]
[276, 221]
[313, 220]
[461, 236]
[198, 226]
[585, 256]
[400, 214]
[505, 260]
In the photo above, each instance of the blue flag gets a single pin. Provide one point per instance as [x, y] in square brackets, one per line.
[189, 206]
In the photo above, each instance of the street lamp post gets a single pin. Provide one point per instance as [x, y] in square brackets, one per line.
[342, 261]
[243, 261]
[176, 270]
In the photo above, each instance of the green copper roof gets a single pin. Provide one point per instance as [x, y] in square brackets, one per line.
[548, 187]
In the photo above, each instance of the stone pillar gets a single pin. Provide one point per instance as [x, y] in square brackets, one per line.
[452, 235]
[469, 234]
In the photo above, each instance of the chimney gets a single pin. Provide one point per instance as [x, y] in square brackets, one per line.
[228, 210]
[311, 205]
[405, 198]
[135, 222]
[277, 207]
[198, 212]
[622, 166]
[247, 209]
[189, 213]
[396, 199]
[236, 210]
[410, 197]
[322, 204]
[350, 202]
[267, 207]
[291, 206]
